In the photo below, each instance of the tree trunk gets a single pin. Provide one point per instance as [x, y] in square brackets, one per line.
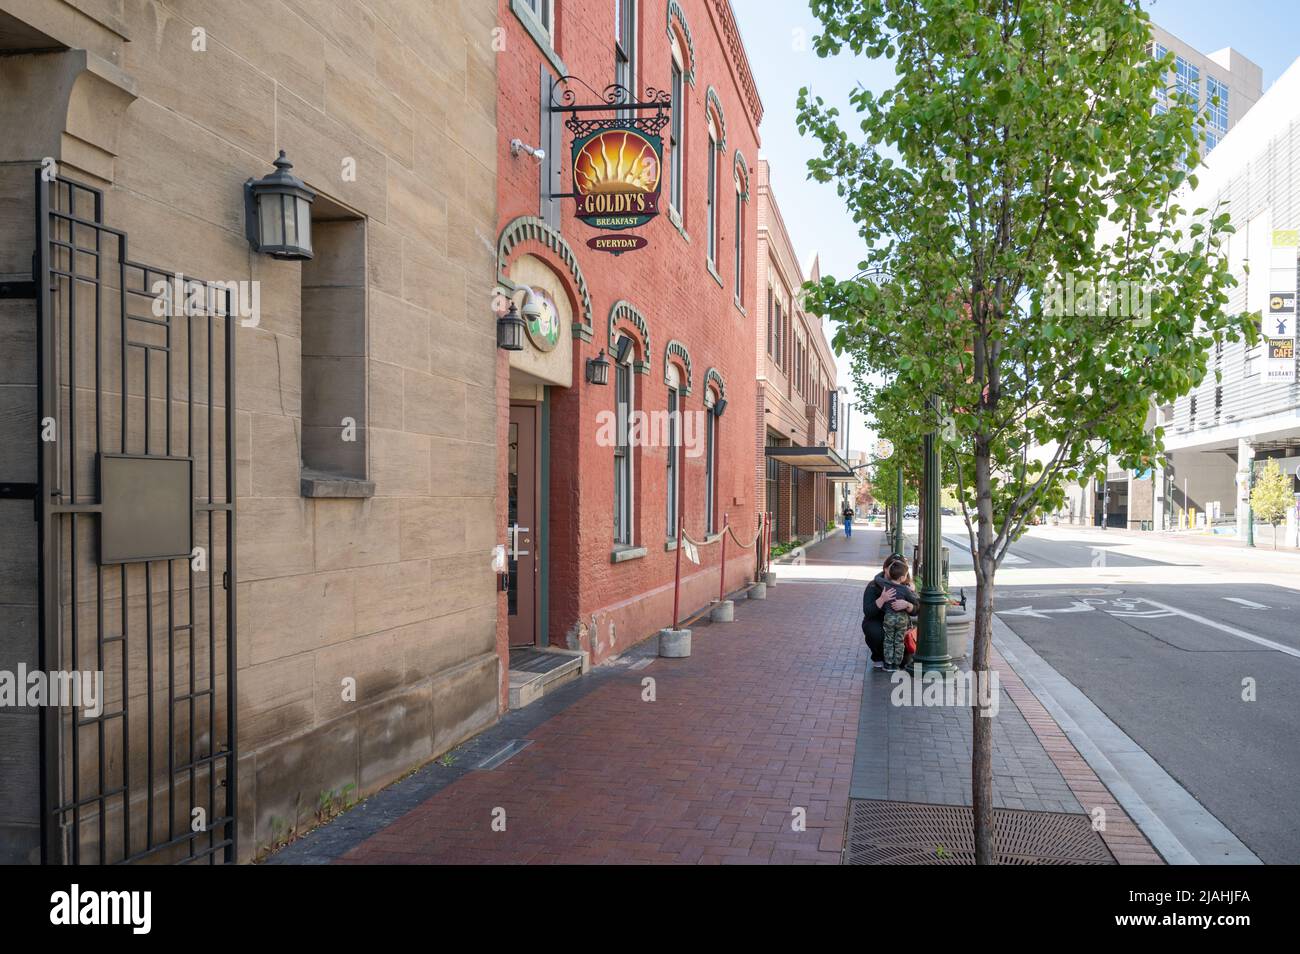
[982, 726]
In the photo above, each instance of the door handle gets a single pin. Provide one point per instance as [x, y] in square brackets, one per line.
[515, 552]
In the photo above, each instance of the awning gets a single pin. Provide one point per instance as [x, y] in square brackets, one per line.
[815, 460]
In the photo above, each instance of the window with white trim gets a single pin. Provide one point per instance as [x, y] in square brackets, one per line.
[676, 129]
[712, 247]
[740, 244]
[673, 455]
[710, 463]
[623, 407]
[625, 46]
[543, 12]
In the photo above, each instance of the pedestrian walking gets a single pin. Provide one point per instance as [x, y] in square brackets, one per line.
[847, 513]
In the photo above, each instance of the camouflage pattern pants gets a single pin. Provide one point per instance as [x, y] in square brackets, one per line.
[896, 626]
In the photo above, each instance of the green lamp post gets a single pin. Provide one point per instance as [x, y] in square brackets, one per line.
[932, 627]
[898, 510]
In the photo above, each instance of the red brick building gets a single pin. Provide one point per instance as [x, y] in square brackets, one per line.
[587, 502]
[796, 398]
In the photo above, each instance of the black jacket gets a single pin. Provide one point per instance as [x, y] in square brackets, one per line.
[873, 613]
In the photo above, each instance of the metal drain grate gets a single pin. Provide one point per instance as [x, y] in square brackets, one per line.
[900, 833]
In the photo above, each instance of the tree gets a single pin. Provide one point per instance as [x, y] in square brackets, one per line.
[1272, 495]
[1023, 194]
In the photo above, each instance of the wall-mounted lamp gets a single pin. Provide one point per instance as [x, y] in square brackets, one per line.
[622, 348]
[277, 213]
[598, 369]
[510, 330]
[518, 145]
[719, 406]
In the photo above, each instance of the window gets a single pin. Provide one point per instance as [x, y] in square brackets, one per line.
[622, 454]
[773, 487]
[676, 148]
[625, 45]
[740, 246]
[674, 451]
[1187, 83]
[794, 501]
[712, 247]
[710, 464]
[771, 342]
[780, 336]
[543, 12]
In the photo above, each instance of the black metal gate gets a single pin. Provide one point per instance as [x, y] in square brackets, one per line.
[137, 546]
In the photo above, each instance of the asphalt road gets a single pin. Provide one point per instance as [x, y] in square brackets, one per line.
[1173, 664]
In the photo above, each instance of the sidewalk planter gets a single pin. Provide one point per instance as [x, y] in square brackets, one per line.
[758, 591]
[723, 611]
[674, 643]
[961, 628]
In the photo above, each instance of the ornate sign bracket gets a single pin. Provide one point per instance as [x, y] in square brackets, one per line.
[649, 115]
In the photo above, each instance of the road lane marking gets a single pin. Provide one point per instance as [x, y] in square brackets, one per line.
[1075, 607]
[1251, 637]
[1251, 603]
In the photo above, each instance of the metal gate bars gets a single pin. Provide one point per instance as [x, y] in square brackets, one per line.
[136, 505]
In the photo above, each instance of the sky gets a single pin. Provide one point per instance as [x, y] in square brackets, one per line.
[778, 33]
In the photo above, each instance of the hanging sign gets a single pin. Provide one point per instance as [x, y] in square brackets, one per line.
[617, 159]
[884, 448]
[833, 412]
[616, 175]
[1279, 324]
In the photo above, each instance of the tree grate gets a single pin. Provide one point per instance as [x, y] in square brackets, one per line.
[901, 833]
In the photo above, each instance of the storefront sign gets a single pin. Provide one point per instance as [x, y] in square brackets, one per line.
[1281, 315]
[1279, 324]
[616, 175]
[617, 158]
[833, 412]
[617, 244]
[544, 330]
[884, 448]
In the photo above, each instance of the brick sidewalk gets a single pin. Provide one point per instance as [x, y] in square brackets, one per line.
[762, 720]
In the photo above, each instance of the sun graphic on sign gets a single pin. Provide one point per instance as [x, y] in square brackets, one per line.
[616, 161]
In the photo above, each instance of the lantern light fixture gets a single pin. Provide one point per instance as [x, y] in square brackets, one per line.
[622, 348]
[719, 406]
[598, 369]
[277, 213]
[510, 330]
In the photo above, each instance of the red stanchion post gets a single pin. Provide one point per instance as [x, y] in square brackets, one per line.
[677, 574]
[722, 564]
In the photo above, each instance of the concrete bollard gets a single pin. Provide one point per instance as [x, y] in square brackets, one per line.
[758, 591]
[674, 643]
[769, 578]
[723, 611]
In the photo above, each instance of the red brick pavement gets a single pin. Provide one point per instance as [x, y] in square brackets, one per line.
[1124, 839]
[759, 721]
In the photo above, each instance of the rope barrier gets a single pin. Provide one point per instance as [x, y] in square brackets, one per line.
[743, 546]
